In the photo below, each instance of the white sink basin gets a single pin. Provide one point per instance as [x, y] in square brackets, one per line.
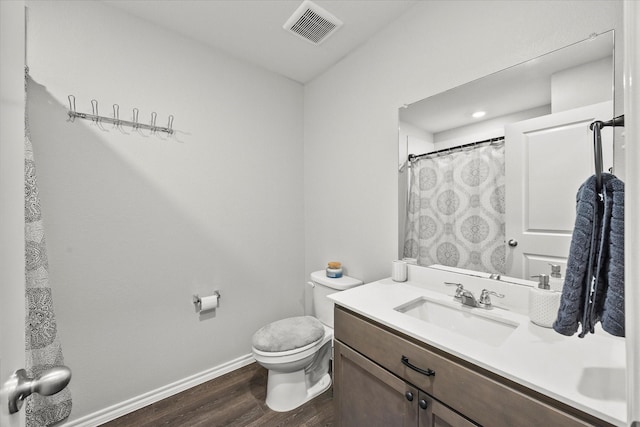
[475, 323]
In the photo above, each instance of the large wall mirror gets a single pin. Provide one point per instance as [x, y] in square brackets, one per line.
[496, 163]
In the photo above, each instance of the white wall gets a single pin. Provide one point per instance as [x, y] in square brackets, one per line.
[583, 85]
[351, 118]
[137, 224]
[413, 140]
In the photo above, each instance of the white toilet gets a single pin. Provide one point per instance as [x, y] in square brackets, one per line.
[297, 350]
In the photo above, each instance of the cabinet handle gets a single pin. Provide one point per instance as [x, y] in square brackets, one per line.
[427, 372]
[423, 403]
[409, 396]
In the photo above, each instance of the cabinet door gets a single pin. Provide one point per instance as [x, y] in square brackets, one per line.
[367, 395]
[438, 415]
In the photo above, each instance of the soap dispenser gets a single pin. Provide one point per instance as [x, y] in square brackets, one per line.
[556, 281]
[543, 303]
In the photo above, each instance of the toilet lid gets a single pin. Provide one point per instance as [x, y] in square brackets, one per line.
[288, 334]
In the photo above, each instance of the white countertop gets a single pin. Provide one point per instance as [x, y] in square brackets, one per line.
[586, 373]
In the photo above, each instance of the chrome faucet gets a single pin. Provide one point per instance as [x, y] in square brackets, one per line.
[463, 295]
[495, 276]
[467, 298]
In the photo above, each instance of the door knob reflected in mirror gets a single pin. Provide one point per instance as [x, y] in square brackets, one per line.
[513, 243]
[47, 383]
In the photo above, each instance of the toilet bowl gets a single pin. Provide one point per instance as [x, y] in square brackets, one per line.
[297, 350]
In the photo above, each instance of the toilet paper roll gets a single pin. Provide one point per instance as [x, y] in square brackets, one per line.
[208, 303]
[399, 271]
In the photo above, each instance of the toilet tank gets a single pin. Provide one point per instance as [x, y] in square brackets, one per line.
[324, 286]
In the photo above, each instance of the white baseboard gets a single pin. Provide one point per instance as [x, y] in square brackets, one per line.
[138, 402]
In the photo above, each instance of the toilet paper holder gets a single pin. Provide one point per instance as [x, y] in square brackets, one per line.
[197, 301]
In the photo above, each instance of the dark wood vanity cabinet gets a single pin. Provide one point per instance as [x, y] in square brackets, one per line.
[373, 387]
[367, 395]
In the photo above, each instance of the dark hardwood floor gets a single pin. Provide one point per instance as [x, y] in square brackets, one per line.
[235, 399]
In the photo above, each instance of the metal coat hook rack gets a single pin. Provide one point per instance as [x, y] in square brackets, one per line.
[115, 120]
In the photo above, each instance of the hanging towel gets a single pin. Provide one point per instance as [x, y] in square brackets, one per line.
[609, 304]
[575, 283]
[594, 282]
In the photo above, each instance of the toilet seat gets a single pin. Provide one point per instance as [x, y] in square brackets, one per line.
[290, 334]
[294, 354]
[307, 347]
[282, 357]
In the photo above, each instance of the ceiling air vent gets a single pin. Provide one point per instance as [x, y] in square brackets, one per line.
[312, 23]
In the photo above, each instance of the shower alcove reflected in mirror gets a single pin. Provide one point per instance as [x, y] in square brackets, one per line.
[488, 171]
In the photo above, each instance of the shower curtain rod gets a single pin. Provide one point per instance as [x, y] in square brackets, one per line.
[412, 157]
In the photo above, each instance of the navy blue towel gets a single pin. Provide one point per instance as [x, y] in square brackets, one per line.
[594, 282]
[611, 313]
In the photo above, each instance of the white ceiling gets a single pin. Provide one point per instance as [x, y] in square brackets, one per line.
[251, 30]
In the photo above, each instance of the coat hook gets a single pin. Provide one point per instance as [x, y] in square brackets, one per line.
[170, 124]
[154, 115]
[72, 103]
[135, 118]
[72, 109]
[116, 121]
[94, 108]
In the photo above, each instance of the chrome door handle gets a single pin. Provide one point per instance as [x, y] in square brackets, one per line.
[47, 383]
[513, 243]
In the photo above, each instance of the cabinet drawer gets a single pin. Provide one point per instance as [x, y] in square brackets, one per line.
[484, 397]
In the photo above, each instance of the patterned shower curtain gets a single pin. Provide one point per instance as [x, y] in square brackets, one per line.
[43, 350]
[455, 214]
